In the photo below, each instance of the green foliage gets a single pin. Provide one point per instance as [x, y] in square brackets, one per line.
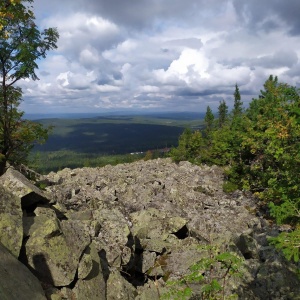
[221, 146]
[289, 244]
[270, 149]
[211, 273]
[148, 155]
[21, 45]
[177, 293]
[222, 113]
[209, 120]
[17, 136]
[270, 160]
[21, 42]
[189, 146]
[229, 187]
[238, 104]
[261, 147]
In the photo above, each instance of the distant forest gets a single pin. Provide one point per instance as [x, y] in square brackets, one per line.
[97, 141]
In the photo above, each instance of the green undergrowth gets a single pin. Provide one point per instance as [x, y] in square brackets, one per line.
[211, 274]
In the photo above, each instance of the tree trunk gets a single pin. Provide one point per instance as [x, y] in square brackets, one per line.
[2, 166]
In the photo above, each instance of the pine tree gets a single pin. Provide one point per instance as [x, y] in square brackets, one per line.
[238, 104]
[222, 111]
[209, 120]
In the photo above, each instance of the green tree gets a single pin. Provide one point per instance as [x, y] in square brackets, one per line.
[238, 104]
[21, 45]
[220, 149]
[270, 157]
[190, 146]
[209, 120]
[261, 147]
[222, 113]
[223, 140]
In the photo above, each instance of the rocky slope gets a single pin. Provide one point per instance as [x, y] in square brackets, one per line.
[122, 232]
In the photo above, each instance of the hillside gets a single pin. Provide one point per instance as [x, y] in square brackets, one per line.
[124, 232]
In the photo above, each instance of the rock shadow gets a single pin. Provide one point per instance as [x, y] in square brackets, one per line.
[41, 269]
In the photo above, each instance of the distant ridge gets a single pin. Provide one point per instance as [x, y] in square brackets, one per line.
[161, 115]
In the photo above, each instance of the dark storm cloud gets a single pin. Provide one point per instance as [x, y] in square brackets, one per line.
[139, 14]
[187, 92]
[142, 13]
[270, 15]
[294, 71]
[277, 60]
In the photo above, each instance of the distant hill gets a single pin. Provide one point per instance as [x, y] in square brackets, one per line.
[164, 115]
[113, 134]
[92, 140]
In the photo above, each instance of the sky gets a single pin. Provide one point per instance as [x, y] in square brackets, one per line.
[161, 55]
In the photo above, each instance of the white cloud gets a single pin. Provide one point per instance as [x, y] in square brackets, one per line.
[149, 89]
[89, 57]
[192, 61]
[107, 88]
[123, 54]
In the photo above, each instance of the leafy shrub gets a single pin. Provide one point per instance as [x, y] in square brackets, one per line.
[229, 187]
[211, 273]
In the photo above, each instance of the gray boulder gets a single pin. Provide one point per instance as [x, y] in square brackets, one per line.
[20, 186]
[151, 290]
[17, 282]
[113, 235]
[119, 289]
[155, 229]
[91, 283]
[248, 246]
[11, 228]
[53, 249]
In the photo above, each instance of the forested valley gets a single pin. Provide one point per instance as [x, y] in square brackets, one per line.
[98, 141]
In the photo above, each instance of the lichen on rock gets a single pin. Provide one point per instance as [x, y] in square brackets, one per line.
[11, 227]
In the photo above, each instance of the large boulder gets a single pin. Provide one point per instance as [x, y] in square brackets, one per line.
[153, 290]
[247, 245]
[156, 229]
[20, 186]
[17, 282]
[91, 283]
[119, 289]
[152, 222]
[54, 249]
[11, 228]
[113, 236]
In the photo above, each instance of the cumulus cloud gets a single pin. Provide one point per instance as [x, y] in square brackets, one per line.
[124, 54]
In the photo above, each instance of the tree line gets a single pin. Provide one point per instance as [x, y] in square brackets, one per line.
[259, 148]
